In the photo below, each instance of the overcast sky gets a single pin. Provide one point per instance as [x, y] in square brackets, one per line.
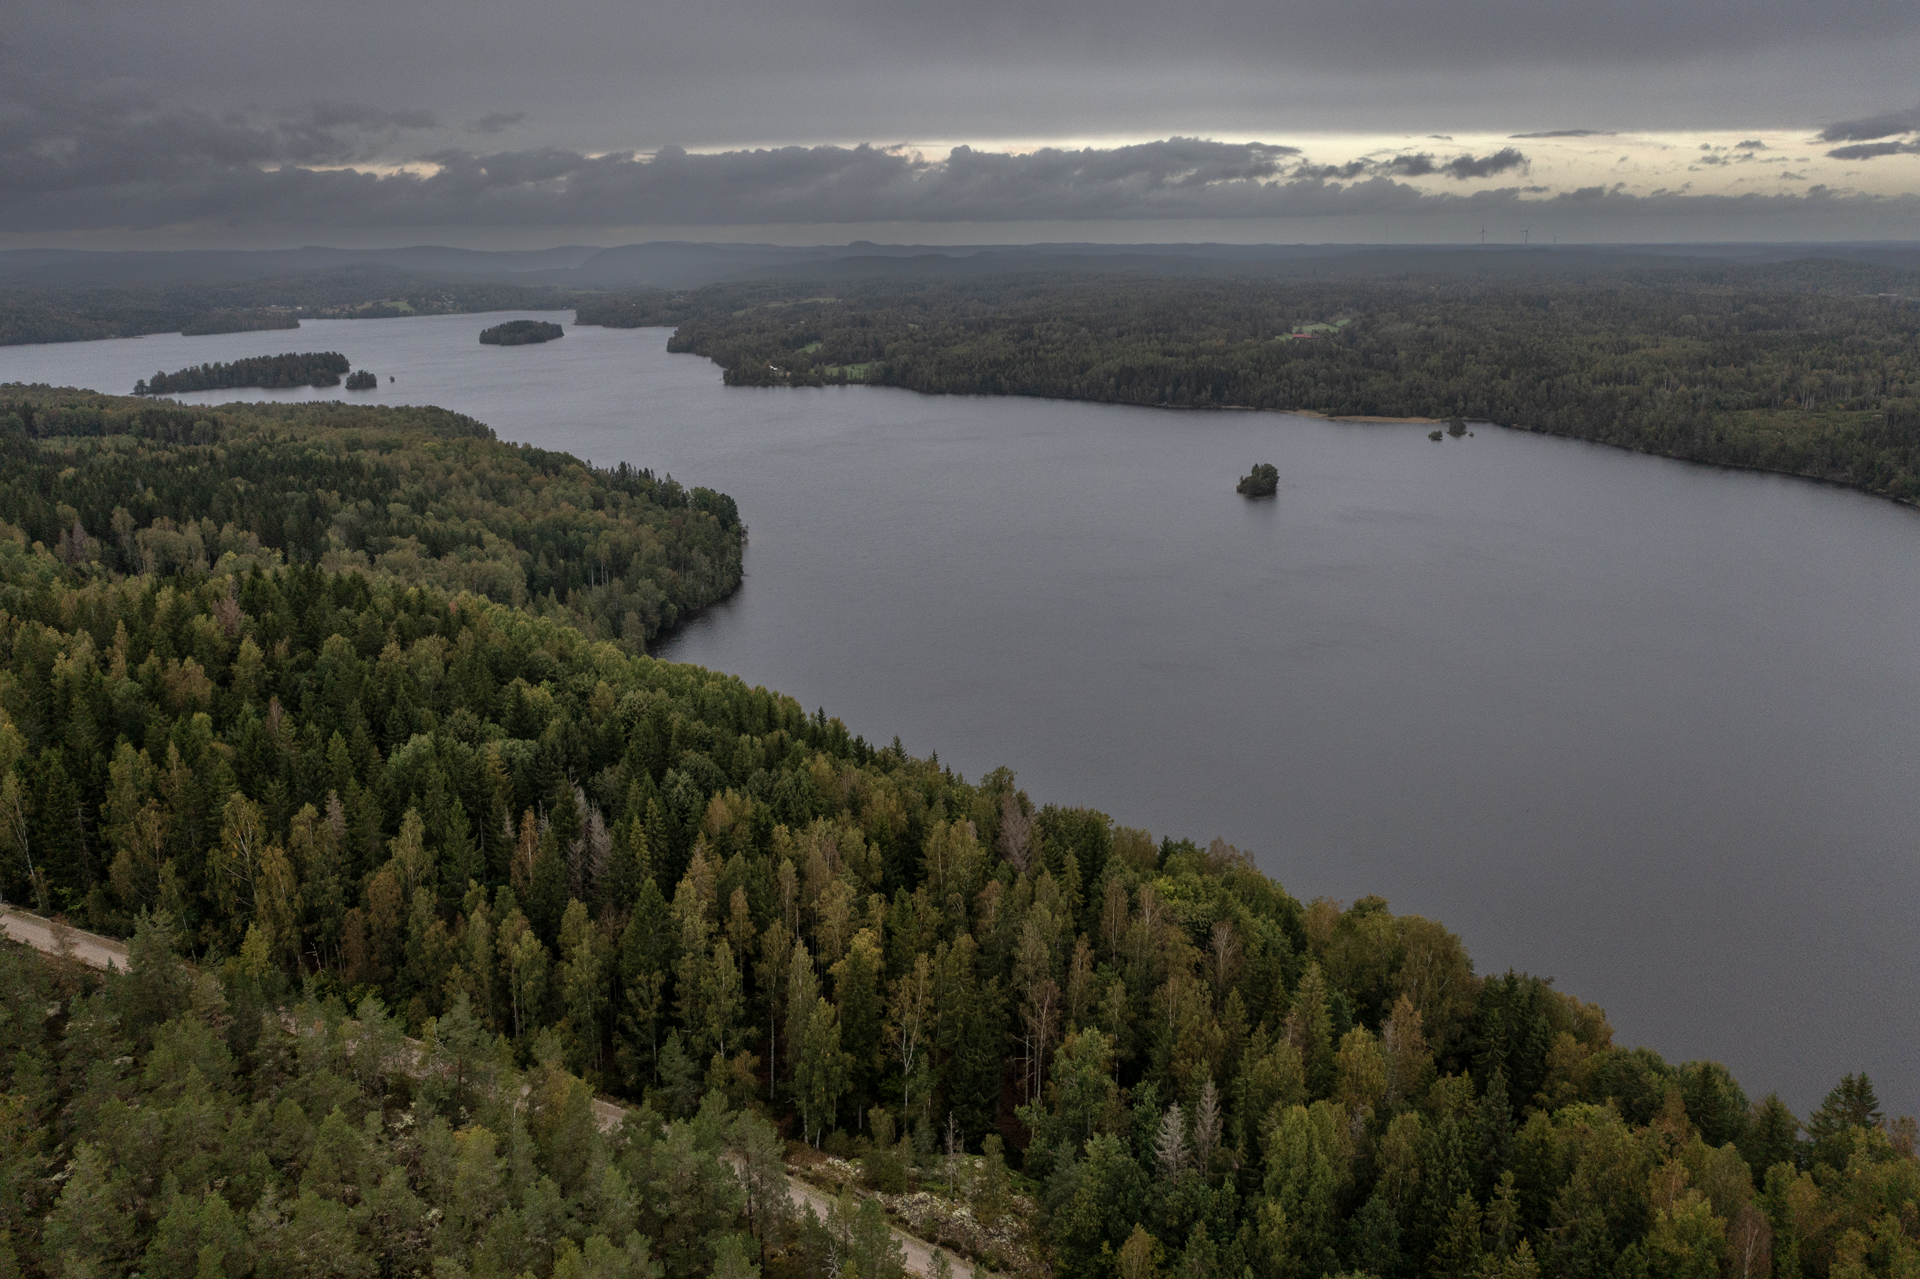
[498, 123]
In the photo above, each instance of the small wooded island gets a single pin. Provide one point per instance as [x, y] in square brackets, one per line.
[1263, 481]
[362, 381]
[521, 333]
[271, 372]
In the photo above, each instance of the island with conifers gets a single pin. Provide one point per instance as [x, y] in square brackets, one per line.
[1262, 481]
[521, 333]
[271, 372]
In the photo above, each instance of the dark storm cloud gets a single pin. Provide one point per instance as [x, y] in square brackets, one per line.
[1487, 166]
[67, 143]
[1419, 164]
[1874, 150]
[1460, 168]
[1888, 125]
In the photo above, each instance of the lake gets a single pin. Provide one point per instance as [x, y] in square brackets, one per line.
[1649, 727]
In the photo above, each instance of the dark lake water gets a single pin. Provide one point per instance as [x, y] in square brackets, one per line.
[1651, 728]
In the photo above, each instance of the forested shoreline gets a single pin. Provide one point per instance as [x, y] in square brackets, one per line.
[392, 805]
[1807, 368]
[41, 312]
[421, 496]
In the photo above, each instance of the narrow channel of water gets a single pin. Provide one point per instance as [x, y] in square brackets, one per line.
[1649, 727]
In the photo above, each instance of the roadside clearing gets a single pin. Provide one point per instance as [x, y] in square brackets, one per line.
[54, 937]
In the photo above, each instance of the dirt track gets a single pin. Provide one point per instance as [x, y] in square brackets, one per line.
[54, 938]
[103, 952]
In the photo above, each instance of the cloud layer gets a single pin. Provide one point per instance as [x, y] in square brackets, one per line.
[224, 116]
[611, 75]
[181, 169]
[1875, 136]
[1880, 126]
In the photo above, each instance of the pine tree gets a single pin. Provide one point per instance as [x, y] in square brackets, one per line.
[1458, 1253]
[643, 976]
[583, 987]
[91, 1229]
[1851, 1105]
[1310, 1031]
[460, 863]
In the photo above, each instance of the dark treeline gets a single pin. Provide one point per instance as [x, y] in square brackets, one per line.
[419, 495]
[313, 368]
[680, 888]
[46, 313]
[521, 333]
[1809, 368]
[246, 321]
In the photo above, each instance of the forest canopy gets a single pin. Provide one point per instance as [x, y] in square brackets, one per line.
[253, 320]
[418, 495]
[1809, 368]
[362, 805]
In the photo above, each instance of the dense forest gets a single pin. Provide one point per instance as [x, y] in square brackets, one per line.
[521, 333]
[1809, 368]
[313, 368]
[39, 312]
[259, 319]
[159, 1123]
[418, 495]
[389, 808]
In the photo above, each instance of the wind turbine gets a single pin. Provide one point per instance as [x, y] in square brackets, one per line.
[1483, 235]
[1526, 238]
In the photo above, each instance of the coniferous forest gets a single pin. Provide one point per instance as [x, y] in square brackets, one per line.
[1806, 367]
[384, 757]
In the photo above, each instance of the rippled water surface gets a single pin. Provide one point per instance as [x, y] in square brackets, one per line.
[1649, 727]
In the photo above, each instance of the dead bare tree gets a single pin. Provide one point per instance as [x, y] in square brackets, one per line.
[1224, 949]
[1016, 833]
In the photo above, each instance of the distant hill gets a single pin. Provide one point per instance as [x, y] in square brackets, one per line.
[64, 295]
[46, 308]
[72, 268]
[669, 264]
